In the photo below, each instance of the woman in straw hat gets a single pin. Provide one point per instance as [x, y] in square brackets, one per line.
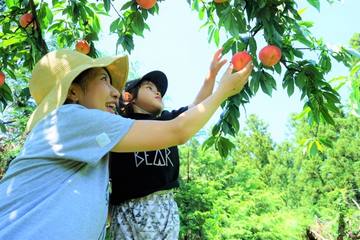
[57, 187]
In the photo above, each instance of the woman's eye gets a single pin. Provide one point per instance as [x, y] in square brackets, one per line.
[106, 79]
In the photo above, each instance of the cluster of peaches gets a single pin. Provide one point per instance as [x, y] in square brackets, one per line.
[269, 56]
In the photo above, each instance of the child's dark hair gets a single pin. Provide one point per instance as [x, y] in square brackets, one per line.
[126, 109]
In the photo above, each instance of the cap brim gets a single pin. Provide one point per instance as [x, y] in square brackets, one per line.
[159, 79]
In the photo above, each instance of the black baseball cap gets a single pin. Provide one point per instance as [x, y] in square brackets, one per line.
[157, 77]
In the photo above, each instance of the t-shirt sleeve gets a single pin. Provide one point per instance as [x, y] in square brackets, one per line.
[77, 133]
[168, 115]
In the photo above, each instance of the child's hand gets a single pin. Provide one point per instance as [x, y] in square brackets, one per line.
[216, 64]
[232, 83]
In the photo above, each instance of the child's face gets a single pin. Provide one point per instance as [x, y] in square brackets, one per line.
[149, 98]
[99, 93]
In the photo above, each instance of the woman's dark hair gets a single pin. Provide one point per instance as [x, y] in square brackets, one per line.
[126, 109]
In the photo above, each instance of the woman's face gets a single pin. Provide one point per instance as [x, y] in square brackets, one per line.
[98, 92]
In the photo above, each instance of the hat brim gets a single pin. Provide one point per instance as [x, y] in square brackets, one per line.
[118, 68]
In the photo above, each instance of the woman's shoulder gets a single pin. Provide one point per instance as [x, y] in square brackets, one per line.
[70, 107]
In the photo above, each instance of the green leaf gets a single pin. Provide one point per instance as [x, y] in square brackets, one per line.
[307, 24]
[228, 143]
[326, 142]
[355, 69]
[216, 129]
[278, 68]
[127, 5]
[302, 39]
[240, 21]
[107, 5]
[252, 46]
[96, 24]
[114, 25]
[332, 107]
[255, 81]
[202, 13]
[45, 16]
[295, 13]
[92, 37]
[5, 91]
[227, 129]
[266, 87]
[233, 121]
[138, 24]
[224, 146]
[300, 80]
[312, 149]
[216, 37]
[235, 102]
[2, 127]
[315, 3]
[269, 79]
[325, 62]
[326, 116]
[227, 45]
[195, 5]
[11, 3]
[208, 143]
[16, 39]
[55, 26]
[331, 97]
[290, 87]
[211, 31]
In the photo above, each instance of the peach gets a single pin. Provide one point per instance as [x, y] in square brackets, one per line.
[146, 4]
[2, 78]
[220, 1]
[82, 46]
[240, 59]
[25, 20]
[270, 55]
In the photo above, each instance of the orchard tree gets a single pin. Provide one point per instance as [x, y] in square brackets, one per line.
[30, 29]
[267, 191]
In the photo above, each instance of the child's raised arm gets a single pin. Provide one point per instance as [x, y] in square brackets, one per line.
[209, 82]
[150, 135]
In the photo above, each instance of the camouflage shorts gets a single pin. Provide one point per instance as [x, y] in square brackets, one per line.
[152, 217]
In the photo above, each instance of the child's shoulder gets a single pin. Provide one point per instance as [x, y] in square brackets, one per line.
[170, 114]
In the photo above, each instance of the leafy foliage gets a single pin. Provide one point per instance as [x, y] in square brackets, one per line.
[269, 191]
[262, 190]
[59, 23]
[279, 23]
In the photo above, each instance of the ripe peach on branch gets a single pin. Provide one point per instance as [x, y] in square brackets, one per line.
[270, 55]
[240, 59]
[2, 78]
[26, 20]
[220, 1]
[82, 46]
[146, 4]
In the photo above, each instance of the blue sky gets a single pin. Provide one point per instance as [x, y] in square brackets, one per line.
[177, 46]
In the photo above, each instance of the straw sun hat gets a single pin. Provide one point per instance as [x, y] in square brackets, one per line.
[53, 74]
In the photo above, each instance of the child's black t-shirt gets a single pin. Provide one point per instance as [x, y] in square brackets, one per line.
[138, 174]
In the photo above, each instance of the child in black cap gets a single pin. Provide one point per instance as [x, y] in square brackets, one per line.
[143, 205]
